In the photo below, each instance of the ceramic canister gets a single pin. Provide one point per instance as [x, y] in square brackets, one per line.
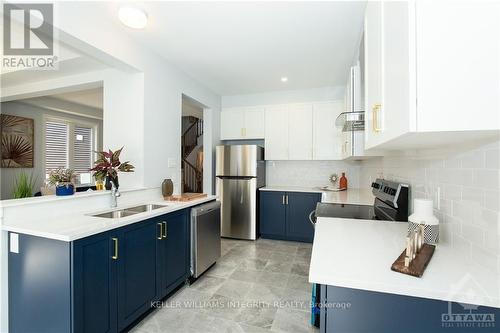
[167, 187]
[423, 213]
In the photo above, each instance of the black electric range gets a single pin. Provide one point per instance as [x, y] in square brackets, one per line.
[390, 204]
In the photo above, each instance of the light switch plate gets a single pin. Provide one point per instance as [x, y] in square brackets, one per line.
[14, 242]
[172, 163]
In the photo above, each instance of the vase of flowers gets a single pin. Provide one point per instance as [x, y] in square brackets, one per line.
[107, 166]
[62, 179]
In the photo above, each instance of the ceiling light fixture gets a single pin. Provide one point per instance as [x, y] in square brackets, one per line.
[133, 17]
[284, 79]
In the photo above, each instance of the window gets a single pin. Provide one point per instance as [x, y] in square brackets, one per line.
[70, 145]
[56, 146]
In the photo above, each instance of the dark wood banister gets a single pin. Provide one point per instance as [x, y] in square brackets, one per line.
[193, 182]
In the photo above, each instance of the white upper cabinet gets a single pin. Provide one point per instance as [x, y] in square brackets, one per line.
[423, 74]
[300, 132]
[373, 73]
[303, 131]
[232, 123]
[276, 142]
[465, 53]
[328, 141]
[242, 123]
[255, 123]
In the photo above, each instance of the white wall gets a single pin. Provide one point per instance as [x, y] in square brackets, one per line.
[286, 96]
[469, 182]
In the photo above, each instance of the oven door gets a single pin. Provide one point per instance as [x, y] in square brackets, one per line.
[363, 212]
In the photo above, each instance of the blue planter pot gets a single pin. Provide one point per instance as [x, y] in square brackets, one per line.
[68, 189]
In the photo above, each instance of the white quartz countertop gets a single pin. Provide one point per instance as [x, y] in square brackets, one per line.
[359, 253]
[73, 227]
[305, 189]
[352, 196]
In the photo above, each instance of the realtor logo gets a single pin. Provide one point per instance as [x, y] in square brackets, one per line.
[468, 315]
[28, 36]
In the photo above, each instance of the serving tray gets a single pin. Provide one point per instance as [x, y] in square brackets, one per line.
[418, 265]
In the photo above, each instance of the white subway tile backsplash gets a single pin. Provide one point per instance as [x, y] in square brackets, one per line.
[452, 192]
[492, 159]
[473, 233]
[310, 173]
[474, 194]
[492, 200]
[473, 159]
[469, 183]
[487, 178]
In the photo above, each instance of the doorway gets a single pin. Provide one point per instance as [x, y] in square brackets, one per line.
[192, 155]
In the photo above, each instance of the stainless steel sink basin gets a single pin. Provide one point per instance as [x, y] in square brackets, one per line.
[145, 208]
[116, 214]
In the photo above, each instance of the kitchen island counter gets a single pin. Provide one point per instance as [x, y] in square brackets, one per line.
[70, 227]
[358, 254]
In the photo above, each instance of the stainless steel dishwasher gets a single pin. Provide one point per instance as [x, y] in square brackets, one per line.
[205, 237]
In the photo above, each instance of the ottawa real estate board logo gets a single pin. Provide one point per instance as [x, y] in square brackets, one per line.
[467, 315]
[28, 36]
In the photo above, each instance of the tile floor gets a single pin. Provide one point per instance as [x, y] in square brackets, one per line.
[255, 287]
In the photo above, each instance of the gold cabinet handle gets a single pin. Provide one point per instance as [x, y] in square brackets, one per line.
[161, 231]
[164, 235]
[375, 119]
[115, 241]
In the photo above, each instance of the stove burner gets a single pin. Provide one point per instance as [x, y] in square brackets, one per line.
[391, 203]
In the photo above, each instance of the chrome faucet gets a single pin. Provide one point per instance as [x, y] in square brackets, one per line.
[114, 194]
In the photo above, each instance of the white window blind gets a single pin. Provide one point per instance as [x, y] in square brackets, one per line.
[82, 159]
[56, 145]
[69, 145]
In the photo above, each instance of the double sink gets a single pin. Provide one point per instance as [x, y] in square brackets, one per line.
[119, 213]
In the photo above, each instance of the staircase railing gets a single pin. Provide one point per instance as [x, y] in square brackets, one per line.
[192, 178]
[190, 137]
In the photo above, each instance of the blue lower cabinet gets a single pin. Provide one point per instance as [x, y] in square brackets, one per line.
[272, 219]
[353, 310]
[299, 206]
[94, 281]
[175, 258]
[173, 249]
[102, 283]
[137, 265]
[285, 215]
[40, 286]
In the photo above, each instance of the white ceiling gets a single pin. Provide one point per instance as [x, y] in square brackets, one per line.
[246, 47]
[89, 97]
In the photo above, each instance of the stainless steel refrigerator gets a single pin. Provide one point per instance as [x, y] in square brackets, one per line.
[240, 171]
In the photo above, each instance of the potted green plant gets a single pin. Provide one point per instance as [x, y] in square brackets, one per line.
[62, 179]
[107, 166]
[24, 186]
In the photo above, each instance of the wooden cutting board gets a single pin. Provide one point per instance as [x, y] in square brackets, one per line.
[186, 197]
